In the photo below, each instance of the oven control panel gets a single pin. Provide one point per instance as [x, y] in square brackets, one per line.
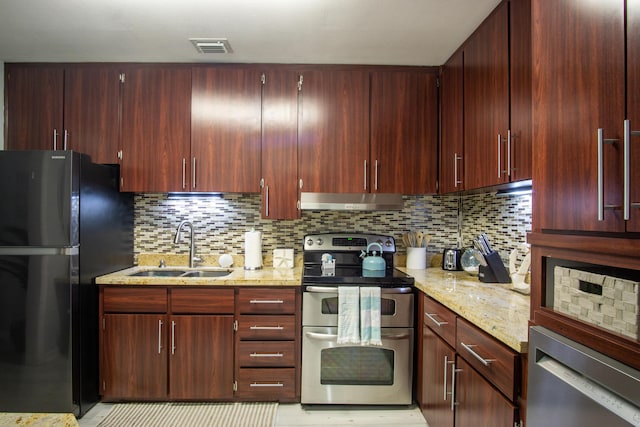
[347, 242]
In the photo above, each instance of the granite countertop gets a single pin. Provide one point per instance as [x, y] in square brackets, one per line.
[492, 307]
[37, 419]
[267, 276]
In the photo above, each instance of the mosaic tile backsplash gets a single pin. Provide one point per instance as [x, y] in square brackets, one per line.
[221, 221]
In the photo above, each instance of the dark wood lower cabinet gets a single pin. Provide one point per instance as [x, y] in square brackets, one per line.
[134, 365]
[437, 364]
[200, 356]
[478, 403]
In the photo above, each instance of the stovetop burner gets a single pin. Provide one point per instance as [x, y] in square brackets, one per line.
[346, 249]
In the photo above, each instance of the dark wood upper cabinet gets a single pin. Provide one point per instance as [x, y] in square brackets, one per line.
[633, 112]
[333, 145]
[34, 110]
[579, 88]
[226, 129]
[92, 112]
[156, 123]
[404, 132]
[486, 101]
[280, 145]
[452, 125]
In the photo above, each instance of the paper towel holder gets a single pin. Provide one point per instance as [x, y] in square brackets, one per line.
[253, 260]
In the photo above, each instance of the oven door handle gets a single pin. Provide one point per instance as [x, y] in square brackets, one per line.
[333, 337]
[334, 289]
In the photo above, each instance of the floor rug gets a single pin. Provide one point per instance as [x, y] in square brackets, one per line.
[174, 414]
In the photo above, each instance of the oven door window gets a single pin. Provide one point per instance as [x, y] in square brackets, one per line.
[356, 366]
[387, 306]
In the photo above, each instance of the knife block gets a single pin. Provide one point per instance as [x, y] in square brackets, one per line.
[494, 271]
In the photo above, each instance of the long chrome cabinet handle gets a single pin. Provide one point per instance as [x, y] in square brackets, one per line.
[65, 140]
[266, 201]
[601, 142]
[159, 336]
[266, 328]
[499, 159]
[55, 139]
[193, 174]
[448, 362]
[173, 337]
[509, 153]
[365, 174]
[266, 355]
[468, 347]
[266, 301]
[453, 386]
[456, 181]
[375, 177]
[433, 319]
[184, 173]
[266, 385]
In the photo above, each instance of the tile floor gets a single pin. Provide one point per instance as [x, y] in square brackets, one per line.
[292, 415]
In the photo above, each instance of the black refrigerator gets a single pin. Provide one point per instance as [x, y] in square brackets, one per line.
[63, 222]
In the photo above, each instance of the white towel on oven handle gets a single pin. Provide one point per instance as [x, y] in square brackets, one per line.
[370, 333]
[348, 315]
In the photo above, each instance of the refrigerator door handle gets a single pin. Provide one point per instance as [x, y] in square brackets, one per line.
[30, 250]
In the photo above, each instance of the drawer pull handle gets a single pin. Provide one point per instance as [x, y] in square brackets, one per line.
[469, 348]
[266, 328]
[266, 355]
[266, 301]
[266, 385]
[433, 319]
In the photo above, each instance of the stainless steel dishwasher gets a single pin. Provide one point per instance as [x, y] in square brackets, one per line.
[573, 385]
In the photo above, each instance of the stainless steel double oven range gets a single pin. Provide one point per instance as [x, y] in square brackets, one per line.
[357, 374]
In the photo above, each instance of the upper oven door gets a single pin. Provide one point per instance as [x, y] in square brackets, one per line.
[320, 307]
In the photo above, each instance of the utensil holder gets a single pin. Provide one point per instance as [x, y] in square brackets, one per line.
[417, 258]
[494, 271]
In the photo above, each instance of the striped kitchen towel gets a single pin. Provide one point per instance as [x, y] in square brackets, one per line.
[348, 315]
[370, 316]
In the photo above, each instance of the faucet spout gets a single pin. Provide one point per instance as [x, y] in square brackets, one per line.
[192, 249]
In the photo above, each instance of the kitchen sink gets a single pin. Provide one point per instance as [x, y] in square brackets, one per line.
[161, 272]
[206, 273]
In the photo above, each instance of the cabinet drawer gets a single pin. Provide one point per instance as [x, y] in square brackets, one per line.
[267, 301]
[492, 359]
[267, 328]
[263, 354]
[134, 300]
[202, 301]
[267, 384]
[440, 319]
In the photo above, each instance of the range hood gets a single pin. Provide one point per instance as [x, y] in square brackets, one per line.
[351, 201]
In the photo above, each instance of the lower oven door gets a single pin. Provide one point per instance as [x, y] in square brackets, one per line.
[353, 374]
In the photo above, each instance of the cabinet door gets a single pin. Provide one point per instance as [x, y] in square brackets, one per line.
[201, 362]
[404, 132]
[452, 133]
[633, 110]
[578, 88]
[333, 145]
[34, 108]
[280, 146]
[156, 105]
[225, 130]
[477, 403]
[520, 149]
[486, 101]
[92, 112]
[437, 363]
[134, 356]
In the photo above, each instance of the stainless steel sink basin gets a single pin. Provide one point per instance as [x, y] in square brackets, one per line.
[206, 273]
[159, 273]
[162, 272]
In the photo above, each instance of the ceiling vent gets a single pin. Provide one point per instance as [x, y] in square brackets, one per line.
[212, 45]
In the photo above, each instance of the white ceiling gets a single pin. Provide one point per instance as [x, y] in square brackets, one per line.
[393, 32]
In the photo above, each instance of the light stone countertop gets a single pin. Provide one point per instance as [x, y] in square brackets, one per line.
[492, 307]
[37, 419]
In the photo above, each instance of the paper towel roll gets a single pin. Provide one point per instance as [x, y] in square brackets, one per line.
[252, 250]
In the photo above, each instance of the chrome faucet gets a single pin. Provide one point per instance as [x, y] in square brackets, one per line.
[192, 250]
